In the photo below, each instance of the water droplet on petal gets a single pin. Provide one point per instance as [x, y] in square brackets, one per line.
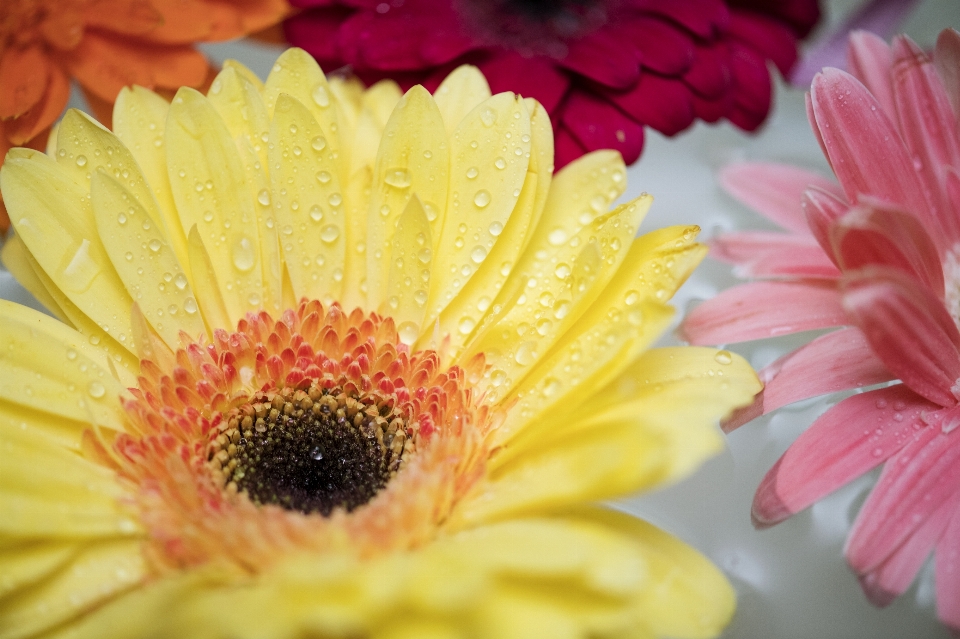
[408, 332]
[472, 172]
[488, 116]
[478, 254]
[96, 390]
[155, 245]
[723, 357]
[482, 198]
[397, 178]
[321, 96]
[243, 254]
[329, 233]
[81, 160]
[263, 197]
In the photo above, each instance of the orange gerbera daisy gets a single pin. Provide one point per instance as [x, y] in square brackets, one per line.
[105, 45]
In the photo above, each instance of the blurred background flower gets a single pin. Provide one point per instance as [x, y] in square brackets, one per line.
[603, 69]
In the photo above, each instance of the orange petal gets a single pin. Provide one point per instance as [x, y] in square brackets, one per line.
[183, 21]
[63, 29]
[174, 67]
[261, 14]
[122, 16]
[23, 79]
[104, 65]
[44, 113]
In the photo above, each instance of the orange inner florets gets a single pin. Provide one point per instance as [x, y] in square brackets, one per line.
[177, 414]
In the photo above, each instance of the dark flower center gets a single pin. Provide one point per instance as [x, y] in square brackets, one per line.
[534, 27]
[310, 451]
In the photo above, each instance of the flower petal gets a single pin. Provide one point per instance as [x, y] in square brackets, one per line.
[908, 328]
[774, 190]
[851, 438]
[864, 147]
[764, 309]
[598, 124]
[535, 78]
[664, 104]
[947, 60]
[822, 209]
[406, 287]
[459, 93]
[768, 255]
[600, 58]
[947, 572]
[891, 579]
[22, 130]
[24, 74]
[874, 233]
[837, 361]
[871, 62]
[913, 485]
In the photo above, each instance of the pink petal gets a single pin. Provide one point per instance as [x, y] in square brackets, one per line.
[774, 190]
[822, 209]
[947, 59]
[601, 58]
[536, 78]
[662, 103]
[871, 61]
[947, 572]
[874, 233]
[808, 104]
[597, 124]
[891, 578]
[767, 254]
[764, 309]
[833, 362]
[850, 439]
[929, 130]
[914, 483]
[908, 328]
[865, 149]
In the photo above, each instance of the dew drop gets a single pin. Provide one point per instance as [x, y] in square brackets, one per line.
[319, 143]
[397, 178]
[128, 256]
[496, 228]
[335, 199]
[723, 357]
[81, 160]
[425, 255]
[96, 390]
[155, 245]
[488, 116]
[329, 233]
[562, 271]
[263, 197]
[243, 255]
[472, 172]
[466, 325]
[526, 353]
[316, 213]
[321, 96]
[478, 254]
[408, 332]
[557, 237]
[190, 306]
[323, 177]
[482, 198]
[316, 453]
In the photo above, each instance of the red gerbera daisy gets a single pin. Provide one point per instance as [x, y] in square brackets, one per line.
[604, 69]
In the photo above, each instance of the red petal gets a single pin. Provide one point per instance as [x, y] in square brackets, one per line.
[661, 47]
[873, 233]
[947, 572]
[566, 148]
[705, 18]
[775, 190]
[769, 37]
[662, 103]
[597, 124]
[837, 361]
[24, 73]
[908, 328]
[752, 87]
[709, 75]
[865, 149]
[913, 485]
[601, 59]
[850, 439]
[536, 78]
[764, 309]
[768, 254]
[316, 33]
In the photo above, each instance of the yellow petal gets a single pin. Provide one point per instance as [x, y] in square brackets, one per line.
[297, 74]
[212, 305]
[381, 99]
[99, 573]
[307, 201]
[357, 200]
[54, 218]
[139, 120]
[409, 275]
[413, 159]
[245, 73]
[211, 193]
[50, 367]
[14, 256]
[688, 597]
[145, 261]
[23, 565]
[459, 93]
[489, 156]
[239, 103]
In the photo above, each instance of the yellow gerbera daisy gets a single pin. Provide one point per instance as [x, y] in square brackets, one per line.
[379, 362]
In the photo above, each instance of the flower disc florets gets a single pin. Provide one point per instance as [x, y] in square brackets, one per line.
[318, 414]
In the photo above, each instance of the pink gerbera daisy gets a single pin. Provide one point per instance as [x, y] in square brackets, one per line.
[603, 69]
[878, 259]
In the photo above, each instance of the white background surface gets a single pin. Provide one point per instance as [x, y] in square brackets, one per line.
[791, 580]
